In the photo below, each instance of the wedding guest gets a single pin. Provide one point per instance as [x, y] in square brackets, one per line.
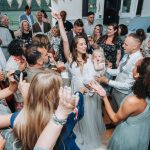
[134, 112]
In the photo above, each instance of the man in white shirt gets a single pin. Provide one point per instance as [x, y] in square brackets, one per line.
[89, 24]
[122, 85]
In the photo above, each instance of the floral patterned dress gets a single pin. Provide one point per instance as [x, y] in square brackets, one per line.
[110, 50]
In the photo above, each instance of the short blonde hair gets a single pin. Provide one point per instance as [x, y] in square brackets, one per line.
[100, 51]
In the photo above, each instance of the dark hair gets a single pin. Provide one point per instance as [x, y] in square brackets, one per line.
[74, 50]
[27, 7]
[141, 33]
[43, 11]
[32, 54]
[136, 37]
[63, 12]
[148, 29]
[104, 38]
[15, 47]
[124, 29]
[90, 13]
[141, 87]
[78, 23]
[101, 28]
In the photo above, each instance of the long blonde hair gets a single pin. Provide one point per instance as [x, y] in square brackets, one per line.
[42, 100]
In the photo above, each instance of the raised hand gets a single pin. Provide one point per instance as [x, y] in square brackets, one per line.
[23, 87]
[67, 103]
[55, 14]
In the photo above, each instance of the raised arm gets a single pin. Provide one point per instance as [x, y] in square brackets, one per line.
[126, 109]
[67, 52]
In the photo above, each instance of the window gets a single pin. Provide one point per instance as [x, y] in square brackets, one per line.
[126, 6]
[92, 5]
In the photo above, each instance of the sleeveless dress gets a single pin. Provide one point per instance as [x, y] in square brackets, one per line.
[133, 133]
[90, 129]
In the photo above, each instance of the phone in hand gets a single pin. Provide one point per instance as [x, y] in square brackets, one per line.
[17, 75]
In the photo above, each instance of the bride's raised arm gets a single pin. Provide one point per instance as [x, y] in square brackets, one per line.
[67, 52]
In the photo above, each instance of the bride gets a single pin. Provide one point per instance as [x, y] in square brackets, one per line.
[90, 130]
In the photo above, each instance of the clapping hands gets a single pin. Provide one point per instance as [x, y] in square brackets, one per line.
[67, 103]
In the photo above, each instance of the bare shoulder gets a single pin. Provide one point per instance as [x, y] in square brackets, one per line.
[89, 56]
[131, 100]
[134, 102]
[129, 106]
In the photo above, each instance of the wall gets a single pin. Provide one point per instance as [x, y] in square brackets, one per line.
[145, 9]
[72, 7]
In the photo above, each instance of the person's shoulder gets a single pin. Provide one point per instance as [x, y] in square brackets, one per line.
[119, 40]
[131, 100]
[31, 15]
[47, 23]
[89, 56]
[85, 22]
[68, 22]
[35, 24]
[22, 14]
[70, 33]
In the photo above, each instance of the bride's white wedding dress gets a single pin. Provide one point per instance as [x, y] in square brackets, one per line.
[90, 129]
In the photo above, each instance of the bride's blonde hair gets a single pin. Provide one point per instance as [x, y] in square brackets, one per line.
[42, 100]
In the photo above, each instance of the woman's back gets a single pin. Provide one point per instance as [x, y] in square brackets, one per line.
[132, 133]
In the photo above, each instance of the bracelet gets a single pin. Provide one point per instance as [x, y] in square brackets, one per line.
[58, 121]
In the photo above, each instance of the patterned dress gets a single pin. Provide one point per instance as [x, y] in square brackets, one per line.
[110, 51]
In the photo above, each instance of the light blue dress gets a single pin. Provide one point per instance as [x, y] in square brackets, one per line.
[133, 133]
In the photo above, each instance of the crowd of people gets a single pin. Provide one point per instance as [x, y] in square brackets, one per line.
[55, 83]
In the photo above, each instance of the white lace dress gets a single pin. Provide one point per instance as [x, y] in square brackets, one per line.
[90, 129]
